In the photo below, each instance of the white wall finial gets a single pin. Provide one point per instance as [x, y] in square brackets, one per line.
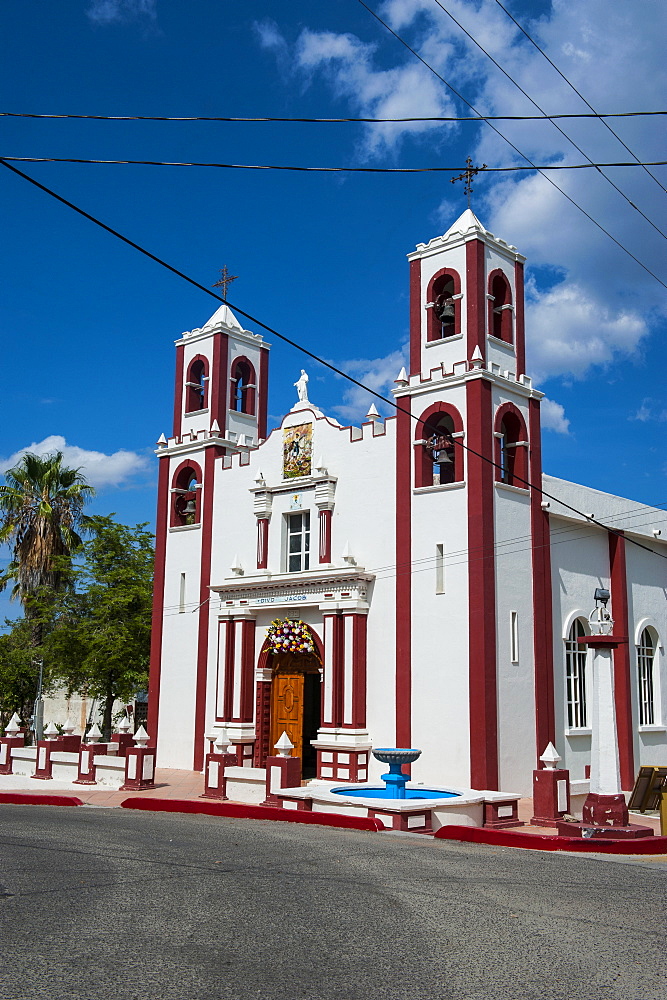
[320, 466]
[221, 742]
[260, 480]
[161, 441]
[68, 727]
[51, 732]
[215, 429]
[13, 726]
[347, 555]
[241, 441]
[94, 735]
[236, 567]
[401, 378]
[141, 737]
[550, 757]
[284, 746]
[124, 725]
[373, 413]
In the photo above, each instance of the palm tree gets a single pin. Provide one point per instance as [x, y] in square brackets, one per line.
[41, 507]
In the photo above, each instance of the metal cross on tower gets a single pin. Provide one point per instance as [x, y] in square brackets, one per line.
[467, 176]
[225, 279]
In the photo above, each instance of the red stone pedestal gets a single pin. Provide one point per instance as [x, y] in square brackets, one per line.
[551, 796]
[590, 832]
[88, 751]
[604, 817]
[139, 768]
[43, 764]
[281, 772]
[501, 814]
[215, 783]
[6, 745]
[121, 742]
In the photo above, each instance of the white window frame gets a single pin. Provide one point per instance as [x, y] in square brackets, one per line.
[576, 707]
[297, 526]
[646, 681]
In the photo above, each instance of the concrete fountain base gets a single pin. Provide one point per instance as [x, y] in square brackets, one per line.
[465, 807]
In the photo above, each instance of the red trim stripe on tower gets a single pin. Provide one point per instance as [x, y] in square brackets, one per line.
[158, 597]
[219, 379]
[543, 644]
[262, 402]
[415, 317]
[179, 390]
[476, 297]
[622, 683]
[403, 573]
[519, 324]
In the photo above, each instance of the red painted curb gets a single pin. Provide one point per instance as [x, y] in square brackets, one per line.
[239, 810]
[32, 799]
[545, 842]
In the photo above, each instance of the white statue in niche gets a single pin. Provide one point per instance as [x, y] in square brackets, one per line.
[302, 387]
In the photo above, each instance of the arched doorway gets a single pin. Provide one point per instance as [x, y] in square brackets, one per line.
[295, 705]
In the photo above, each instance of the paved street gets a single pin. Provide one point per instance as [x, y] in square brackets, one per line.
[107, 903]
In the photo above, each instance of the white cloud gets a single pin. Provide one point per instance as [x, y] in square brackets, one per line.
[553, 417]
[99, 469]
[378, 374]
[269, 35]
[647, 412]
[603, 304]
[121, 11]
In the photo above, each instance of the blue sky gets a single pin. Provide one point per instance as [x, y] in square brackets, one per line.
[88, 324]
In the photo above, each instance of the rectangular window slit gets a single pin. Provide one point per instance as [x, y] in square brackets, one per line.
[439, 568]
[514, 636]
[181, 595]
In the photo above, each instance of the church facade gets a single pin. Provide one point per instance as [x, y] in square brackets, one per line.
[401, 583]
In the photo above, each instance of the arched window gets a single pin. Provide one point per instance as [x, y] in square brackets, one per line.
[575, 677]
[196, 386]
[243, 386]
[186, 495]
[500, 307]
[438, 459]
[511, 446]
[645, 660]
[443, 305]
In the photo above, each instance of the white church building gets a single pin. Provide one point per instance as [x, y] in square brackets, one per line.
[416, 581]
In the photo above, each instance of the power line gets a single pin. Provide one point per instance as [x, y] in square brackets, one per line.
[328, 170]
[556, 126]
[308, 353]
[332, 121]
[579, 94]
[511, 144]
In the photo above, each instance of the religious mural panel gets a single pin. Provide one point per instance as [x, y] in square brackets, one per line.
[297, 451]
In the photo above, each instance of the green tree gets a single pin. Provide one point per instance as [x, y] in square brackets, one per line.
[41, 508]
[100, 641]
[17, 670]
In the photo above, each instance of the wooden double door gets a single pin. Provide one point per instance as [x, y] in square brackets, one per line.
[295, 706]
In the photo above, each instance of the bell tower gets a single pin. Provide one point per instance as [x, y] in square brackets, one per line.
[466, 300]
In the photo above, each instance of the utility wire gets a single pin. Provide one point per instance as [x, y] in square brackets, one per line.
[556, 126]
[310, 354]
[328, 170]
[511, 144]
[329, 121]
[578, 93]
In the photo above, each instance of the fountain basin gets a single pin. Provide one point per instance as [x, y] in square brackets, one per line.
[375, 792]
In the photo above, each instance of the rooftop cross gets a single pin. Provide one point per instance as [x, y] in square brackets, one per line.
[225, 279]
[467, 176]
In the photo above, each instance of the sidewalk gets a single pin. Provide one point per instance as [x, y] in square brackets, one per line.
[187, 786]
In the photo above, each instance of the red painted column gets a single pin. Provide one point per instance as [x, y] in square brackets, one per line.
[325, 517]
[247, 669]
[262, 542]
[230, 645]
[359, 648]
[545, 725]
[219, 380]
[331, 679]
[476, 300]
[262, 403]
[481, 590]
[179, 389]
[403, 573]
[415, 317]
[262, 723]
[158, 598]
[622, 682]
[204, 600]
[519, 324]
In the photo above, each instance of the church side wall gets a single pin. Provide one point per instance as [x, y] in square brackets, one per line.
[648, 607]
[580, 563]
[179, 649]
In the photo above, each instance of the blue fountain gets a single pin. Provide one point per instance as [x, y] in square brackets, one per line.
[395, 781]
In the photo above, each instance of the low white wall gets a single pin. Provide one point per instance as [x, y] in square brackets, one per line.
[246, 784]
[110, 771]
[471, 814]
[23, 760]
